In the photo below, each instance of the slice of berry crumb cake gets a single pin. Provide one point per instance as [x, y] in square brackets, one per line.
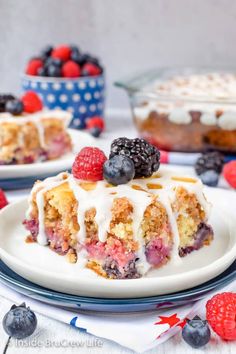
[120, 226]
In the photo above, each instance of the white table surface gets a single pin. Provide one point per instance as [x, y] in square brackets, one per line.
[56, 332]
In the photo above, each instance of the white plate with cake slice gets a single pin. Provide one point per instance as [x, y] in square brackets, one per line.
[79, 140]
[46, 268]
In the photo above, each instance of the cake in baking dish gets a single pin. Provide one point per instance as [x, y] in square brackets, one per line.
[187, 110]
[119, 231]
[31, 137]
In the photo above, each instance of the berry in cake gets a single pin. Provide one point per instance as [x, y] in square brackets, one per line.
[118, 170]
[229, 173]
[63, 61]
[196, 332]
[19, 322]
[28, 133]
[221, 315]
[88, 164]
[119, 231]
[3, 199]
[146, 157]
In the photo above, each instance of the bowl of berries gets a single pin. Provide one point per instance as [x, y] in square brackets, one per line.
[65, 78]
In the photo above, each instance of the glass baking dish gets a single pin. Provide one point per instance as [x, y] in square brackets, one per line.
[185, 109]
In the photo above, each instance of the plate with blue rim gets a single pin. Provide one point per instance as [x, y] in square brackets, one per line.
[23, 182]
[36, 292]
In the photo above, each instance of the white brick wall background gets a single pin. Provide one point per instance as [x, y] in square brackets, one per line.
[129, 35]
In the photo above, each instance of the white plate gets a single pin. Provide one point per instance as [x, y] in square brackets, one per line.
[44, 267]
[79, 140]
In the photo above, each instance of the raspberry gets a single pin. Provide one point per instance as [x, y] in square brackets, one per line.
[221, 315]
[33, 66]
[3, 199]
[62, 52]
[70, 69]
[96, 121]
[88, 164]
[90, 69]
[229, 173]
[31, 102]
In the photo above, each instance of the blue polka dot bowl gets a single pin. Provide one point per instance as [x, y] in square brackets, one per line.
[84, 97]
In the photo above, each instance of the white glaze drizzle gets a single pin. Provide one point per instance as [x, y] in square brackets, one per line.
[40, 189]
[101, 198]
[92, 199]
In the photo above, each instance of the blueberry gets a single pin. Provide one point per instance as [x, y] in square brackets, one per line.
[118, 170]
[54, 70]
[82, 59]
[42, 71]
[46, 52]
[196, 332]
[53, 61]
[14, 107]
[20, 322]
[87, 58]
[57, 62]
[91, 59]
[75, 54]
[95, 131]
[210, 178]
[74, 47]
[84, 72]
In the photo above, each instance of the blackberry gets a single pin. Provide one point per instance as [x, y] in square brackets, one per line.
[14, 107]
[213, 160]
[146, 157]
[3, 100]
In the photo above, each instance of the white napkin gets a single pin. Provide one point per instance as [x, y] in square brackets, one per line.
[139, 331]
